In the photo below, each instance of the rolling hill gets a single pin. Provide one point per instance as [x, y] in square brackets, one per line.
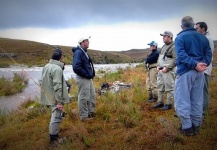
[13, 51]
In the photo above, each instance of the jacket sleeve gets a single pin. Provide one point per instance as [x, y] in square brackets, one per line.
[57, 85]
[207, 57]
[182, 56]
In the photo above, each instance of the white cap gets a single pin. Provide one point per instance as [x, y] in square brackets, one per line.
[83, 38]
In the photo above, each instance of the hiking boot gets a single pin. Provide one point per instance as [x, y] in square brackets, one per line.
[158, 105]
[152, 100]
[195, 128]
[149, 96]
[55, 139]
[187, 132]
[91, 115]
[167, 107]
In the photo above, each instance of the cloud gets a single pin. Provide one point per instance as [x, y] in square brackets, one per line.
[113, 24]
[76, 13]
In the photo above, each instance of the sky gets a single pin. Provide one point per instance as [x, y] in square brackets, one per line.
[114, 25]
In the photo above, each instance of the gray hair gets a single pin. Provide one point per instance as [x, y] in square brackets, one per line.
[187, 22]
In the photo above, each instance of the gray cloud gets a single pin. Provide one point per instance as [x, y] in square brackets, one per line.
[74, 13]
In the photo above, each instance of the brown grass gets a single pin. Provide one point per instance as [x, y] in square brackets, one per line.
[123, 121]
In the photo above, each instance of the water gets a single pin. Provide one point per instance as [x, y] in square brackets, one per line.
[32, 90]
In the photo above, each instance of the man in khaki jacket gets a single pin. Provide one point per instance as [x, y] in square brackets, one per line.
[166, 72]
[54, 92]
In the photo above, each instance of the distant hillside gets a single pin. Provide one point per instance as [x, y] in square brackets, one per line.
[34, 53]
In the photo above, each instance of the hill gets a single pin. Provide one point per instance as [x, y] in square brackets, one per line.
[30, 53]
[34, 53]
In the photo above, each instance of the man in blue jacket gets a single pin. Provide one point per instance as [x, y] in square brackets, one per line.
[84, 70]
[193, 56]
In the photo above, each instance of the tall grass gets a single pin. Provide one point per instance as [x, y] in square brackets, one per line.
[16, 85]
[123, 120]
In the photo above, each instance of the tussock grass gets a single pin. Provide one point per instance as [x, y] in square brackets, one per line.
[123, 121]
[10, 87]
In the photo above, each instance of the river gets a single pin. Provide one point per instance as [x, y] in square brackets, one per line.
[9, 103]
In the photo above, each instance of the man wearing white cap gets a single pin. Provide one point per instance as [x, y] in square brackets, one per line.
[84, 70]
[151, 67]
[166, 72]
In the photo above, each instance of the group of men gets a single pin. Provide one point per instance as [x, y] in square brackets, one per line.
[181, 70]
[190, 53]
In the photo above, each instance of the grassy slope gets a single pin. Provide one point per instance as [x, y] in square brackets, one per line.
[34, 53]
[123, 121]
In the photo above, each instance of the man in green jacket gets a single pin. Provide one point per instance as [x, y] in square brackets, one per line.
[54, 92]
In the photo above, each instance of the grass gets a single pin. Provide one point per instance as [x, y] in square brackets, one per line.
[123, 121]
[10, 87]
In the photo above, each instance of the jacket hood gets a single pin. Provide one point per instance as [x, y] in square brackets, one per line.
[52, 61]
[74, 49]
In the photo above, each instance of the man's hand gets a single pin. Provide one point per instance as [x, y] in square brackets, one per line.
[59, 106]
[201, 66]
[164, 70]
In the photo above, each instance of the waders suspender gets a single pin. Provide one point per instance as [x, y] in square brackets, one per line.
[165, 54]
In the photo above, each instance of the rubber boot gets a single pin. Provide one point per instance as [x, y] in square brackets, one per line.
[53, 138]
[150, 96]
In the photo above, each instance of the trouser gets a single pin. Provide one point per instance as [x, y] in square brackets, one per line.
[86, 97]
[206, 94]
[189, 98]
[55, 120]
[165, 83]
[151, 82]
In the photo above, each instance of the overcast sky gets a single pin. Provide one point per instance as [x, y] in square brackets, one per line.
[113, 25]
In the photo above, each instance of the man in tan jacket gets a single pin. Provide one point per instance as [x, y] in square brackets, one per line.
[166, 72]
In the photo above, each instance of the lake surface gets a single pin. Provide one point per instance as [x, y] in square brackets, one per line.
[32, 91]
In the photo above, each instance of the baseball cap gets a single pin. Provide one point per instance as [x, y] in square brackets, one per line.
[57, 53]
[83, 38]
[153, 43]
[168, 33]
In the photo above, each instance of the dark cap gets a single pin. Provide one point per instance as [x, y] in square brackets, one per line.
[57, 53]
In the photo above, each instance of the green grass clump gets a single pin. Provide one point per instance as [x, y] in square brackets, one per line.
[8, 87]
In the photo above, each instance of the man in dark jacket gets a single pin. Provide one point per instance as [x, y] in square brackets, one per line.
[151, 78]
[84, 70]
[193, 56]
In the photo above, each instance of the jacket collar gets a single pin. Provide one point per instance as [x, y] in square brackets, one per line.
[187, 29]
[52, 61]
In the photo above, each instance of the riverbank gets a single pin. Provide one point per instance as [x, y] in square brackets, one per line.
[32, 90]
